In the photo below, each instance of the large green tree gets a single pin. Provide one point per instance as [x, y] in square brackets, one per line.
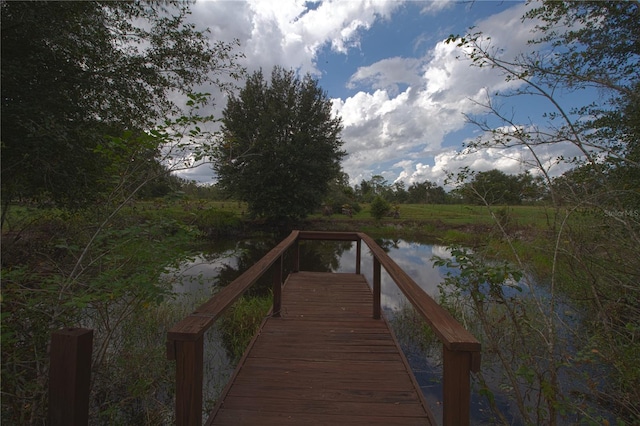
[74, 72]
[280, 147]
[495, 187]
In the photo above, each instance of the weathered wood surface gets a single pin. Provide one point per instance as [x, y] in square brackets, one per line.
[70, 376]
[325, 361]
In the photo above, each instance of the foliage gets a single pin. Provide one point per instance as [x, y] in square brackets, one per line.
[426, 192]
[495, 187]
[92, 118]
[240, 323]
[213, 222]
[487, 294]
[75, 72]
[341, 197]
[116, 292]
[379, 208]
[593, 218]
[280, 147]
[376, 186]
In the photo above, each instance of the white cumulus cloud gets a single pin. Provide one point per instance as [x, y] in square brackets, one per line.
[403, 108]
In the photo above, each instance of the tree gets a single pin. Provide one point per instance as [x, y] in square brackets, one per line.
[379, 208]
[280, 147]
[578, 46]
[398, 192]
[341, 197]
[92, 96]
[75, 72]
[426, 192]
[493, 187]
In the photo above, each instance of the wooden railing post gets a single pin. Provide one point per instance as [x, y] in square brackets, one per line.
[296, 256]
[189, 367]
[456, 388]
[277, 288]
[70, 376]
[358, 254]
[376, 288]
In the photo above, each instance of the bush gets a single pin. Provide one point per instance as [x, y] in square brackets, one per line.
[379, 208]
[217, 222]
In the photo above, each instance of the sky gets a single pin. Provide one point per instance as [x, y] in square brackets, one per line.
[401, 91]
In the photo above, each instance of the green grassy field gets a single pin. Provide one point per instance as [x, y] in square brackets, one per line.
[454, 216]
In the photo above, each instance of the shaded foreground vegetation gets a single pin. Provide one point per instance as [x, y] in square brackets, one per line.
[56, 273]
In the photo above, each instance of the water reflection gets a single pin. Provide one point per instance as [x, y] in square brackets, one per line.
[218, 266]
[414, 258]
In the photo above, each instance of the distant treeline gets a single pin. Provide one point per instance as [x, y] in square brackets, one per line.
[492, 187]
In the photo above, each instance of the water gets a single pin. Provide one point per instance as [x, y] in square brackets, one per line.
[200, 275]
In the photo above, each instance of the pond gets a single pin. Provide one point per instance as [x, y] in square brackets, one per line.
[220, 263]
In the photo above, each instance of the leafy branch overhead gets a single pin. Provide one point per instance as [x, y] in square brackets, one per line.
[73, 72]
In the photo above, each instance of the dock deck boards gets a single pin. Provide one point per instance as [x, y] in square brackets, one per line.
[325, 361]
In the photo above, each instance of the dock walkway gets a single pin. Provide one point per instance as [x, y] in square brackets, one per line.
[326, 355]
[324, 361]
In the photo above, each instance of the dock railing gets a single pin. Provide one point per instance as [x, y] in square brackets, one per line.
[461, 350]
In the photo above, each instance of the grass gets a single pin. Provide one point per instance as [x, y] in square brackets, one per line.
[449, 214]
[240, 323]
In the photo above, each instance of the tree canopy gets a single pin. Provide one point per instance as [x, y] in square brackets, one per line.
[75, 72]
[280, 147]
[495, 187]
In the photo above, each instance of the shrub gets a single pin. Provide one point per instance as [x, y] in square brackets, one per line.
[379, 208]
[213, 222]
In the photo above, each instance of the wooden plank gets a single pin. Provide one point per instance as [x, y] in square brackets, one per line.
[324, 361]
[456, 387]
[297, 405]
[189, 368]
[253, 417]
[333, 394]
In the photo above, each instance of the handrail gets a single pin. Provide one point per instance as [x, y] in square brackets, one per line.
[193, 326]
[185, 339]
[449, 331]
[461, 350]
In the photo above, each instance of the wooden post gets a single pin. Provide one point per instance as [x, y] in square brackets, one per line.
[376, 288]
[456, 389]
[70, 376]
[277, 288]
[296, 256]
[189, 366]
[358, 254]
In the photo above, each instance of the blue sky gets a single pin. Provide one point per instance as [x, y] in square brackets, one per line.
[401, 91]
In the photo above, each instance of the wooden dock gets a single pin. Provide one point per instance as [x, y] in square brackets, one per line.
[325, 355]
[324, 361]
